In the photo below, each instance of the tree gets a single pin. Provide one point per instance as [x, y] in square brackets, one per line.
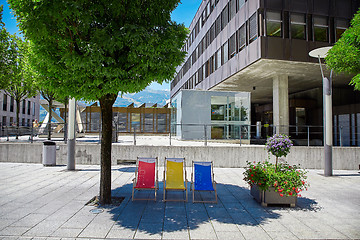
[344, 56]
[4, 52]
[100, 48]
[20, 78]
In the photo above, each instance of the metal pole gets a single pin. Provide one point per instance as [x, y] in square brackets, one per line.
[71, 135]
[240, 134]
[308, 135]
[170, 134]
[205, 134]
[32, 134]
[328, 140]
[340, 136]
[134, 135]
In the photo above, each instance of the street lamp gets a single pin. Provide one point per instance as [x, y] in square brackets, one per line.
[327, 110]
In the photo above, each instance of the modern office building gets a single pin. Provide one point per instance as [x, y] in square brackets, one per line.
[29, 110]
[262, 47]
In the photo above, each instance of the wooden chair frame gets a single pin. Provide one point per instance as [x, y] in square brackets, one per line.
[193, 183]
[156, 184]
[185, 179]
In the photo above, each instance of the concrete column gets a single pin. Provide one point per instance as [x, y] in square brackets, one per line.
[281, 104]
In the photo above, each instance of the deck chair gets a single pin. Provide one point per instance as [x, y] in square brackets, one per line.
[175, 177]
[202, 179]
[146, 176]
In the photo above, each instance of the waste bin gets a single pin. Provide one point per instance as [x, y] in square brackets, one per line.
[49, 153]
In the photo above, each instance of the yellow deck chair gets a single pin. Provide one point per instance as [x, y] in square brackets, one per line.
[175, 177]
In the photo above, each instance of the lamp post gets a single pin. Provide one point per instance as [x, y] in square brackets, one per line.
[71, 135]
[327, 110]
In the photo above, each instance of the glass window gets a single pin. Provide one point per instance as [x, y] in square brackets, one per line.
[232, 10]
[232, 45]
[273, 24]
[253, 27]
[242, 37]
[4, 120]
[212, 33]
[28, 107]
[204, 71]
[321, 29]
[207, 9]
[226, 52]
[224, 17]
[33, 113]
[23, 106]
[5, 102]
[298, 26]
[218, 26]
[11, 104]
[341, 26]
[241, 3]
[218, 58]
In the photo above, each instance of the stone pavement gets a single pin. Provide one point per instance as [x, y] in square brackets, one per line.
[39, 202]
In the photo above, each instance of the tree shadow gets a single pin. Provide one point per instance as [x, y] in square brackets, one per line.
[127, 169]
[235, 206]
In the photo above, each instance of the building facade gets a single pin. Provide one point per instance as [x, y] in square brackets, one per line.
[29, 110]
[261, 47]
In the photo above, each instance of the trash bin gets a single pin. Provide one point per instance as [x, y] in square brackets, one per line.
[49, 153]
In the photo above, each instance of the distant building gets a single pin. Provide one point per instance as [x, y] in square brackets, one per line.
[29, 110]
[261, 47]
[147, 118]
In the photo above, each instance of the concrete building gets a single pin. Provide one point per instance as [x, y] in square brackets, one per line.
[29, 110]
[261, 47]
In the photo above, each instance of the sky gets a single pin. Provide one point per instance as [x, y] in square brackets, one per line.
[184, 13]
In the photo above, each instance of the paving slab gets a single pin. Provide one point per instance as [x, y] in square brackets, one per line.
[49, 203]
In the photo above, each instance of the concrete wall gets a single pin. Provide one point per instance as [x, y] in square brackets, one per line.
[309, 157]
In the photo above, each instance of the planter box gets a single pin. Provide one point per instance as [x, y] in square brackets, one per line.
[271, 197]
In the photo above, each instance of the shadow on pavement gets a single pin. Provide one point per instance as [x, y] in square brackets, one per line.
[235, 206]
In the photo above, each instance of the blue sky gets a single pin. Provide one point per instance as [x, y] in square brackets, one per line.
[184, 13]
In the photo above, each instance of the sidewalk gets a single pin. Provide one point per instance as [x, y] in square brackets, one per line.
[49, 203]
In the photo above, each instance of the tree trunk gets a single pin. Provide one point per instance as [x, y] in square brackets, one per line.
[17, 118]
[106, 103]
[50, 117]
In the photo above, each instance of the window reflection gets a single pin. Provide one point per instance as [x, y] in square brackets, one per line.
[298, 26]
[320, 29]
[273, 24]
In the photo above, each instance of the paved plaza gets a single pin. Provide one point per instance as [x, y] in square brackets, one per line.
[39, 202]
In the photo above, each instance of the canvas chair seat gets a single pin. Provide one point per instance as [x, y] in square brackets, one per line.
[202, 179]
[175, 176]
[146, 176]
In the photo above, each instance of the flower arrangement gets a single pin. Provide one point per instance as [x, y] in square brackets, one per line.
[279, 145]
[286, 180]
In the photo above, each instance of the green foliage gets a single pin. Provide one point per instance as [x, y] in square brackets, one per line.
[21, 81]
[344, 56]
[285, 179]
[102, 47]
[4, 52]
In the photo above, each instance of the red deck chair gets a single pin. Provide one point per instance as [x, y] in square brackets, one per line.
[146, 176]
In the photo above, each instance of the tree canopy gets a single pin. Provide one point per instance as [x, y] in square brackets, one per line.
[4, 52]
[344, 57]
[100, 48]
[103, 47]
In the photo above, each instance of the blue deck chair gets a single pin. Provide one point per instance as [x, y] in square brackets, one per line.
[202, 179]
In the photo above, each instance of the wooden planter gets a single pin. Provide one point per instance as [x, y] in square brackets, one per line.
[271, 197]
